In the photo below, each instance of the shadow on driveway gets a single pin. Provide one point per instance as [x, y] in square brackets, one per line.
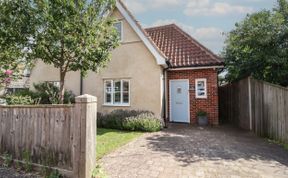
[192, 144]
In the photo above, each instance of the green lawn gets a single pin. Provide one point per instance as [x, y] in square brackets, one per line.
[109, 140]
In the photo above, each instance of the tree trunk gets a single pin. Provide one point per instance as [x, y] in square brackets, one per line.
[62, 89]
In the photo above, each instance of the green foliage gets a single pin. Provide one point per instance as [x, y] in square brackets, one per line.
[16, 25]
[286, 147]
[45, 93]
[258, 46]
[53, 174]
[8, 159]
[19, 100]
[49, 94]
[98, 172]
[18, 165]
[70, 35]
[278, 142]
[27, 161]
[143, 122]
[109, 140]
[130, 120]
[201, 113]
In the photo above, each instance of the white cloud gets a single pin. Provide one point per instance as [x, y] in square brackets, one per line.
[210, 37]
[205, 7]
[163, 3]
[135, 6]
[140, 6]
[191, 7]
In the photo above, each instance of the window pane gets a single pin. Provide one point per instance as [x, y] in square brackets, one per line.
[118, 27]
[117, 97]
[108, 91]
[116, 92]
[125, 86]
[201, 88]
[108, 86]
[117, 86]
[125, 97]
[108, 98]
[201, 84]
[201, 93]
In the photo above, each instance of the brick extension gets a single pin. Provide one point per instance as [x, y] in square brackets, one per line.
[182, 52]
[210, 104]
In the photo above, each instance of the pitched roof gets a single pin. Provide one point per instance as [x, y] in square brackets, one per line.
[158, 54]
[181, 49]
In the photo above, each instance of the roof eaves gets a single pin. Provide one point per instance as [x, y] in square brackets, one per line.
[163, 58]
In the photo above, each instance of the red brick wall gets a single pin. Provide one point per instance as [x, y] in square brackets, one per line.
[210, 104]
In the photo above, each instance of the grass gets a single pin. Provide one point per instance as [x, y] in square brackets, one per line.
[98, 172]
[109, 140]
[285, 145]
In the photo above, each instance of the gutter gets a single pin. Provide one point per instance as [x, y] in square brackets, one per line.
[164, 71]
[196, 68]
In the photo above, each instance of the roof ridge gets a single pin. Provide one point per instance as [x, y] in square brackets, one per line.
[161, 26]
[197, 43]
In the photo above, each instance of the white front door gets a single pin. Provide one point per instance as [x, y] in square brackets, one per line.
[179, 101]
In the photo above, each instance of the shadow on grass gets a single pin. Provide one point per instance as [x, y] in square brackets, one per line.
[102, 131]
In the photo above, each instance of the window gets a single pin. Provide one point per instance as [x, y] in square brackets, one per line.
[117, 92]
[201, 88]
[119, 27]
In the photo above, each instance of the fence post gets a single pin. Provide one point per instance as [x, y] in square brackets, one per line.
[250, 103]
[84, 145]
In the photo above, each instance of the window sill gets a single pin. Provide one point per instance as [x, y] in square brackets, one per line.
[116, 105]
[200, 97]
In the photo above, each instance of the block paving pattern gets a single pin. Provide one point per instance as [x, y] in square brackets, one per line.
[194, 152]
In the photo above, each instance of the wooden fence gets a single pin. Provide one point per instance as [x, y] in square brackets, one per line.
[52, 135]
[256, 105]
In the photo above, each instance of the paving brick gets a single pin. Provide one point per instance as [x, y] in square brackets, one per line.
[222, 152]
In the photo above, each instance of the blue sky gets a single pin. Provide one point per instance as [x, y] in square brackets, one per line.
[205, 20]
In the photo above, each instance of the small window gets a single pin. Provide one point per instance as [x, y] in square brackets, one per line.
[117, 92]
[119, 27]
[201, 88]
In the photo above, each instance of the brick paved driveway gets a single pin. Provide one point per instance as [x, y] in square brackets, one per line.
[183, 151]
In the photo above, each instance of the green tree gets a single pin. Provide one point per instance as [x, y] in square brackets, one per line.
[15, 29]
[258, 46]
[71, 35]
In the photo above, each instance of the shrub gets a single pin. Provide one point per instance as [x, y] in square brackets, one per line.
[49, 94]
[45, 93]
[201, 113]
[19, 100]
[27, 161]
[8, 159]
[130, 120]
[54, 174]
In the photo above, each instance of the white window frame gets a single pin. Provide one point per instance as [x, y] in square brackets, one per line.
[121, 103]
[122, 30]
[205, 88]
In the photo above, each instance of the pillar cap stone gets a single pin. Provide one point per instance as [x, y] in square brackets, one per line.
[86, 99]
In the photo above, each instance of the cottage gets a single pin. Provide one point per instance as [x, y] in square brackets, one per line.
[160, 69]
